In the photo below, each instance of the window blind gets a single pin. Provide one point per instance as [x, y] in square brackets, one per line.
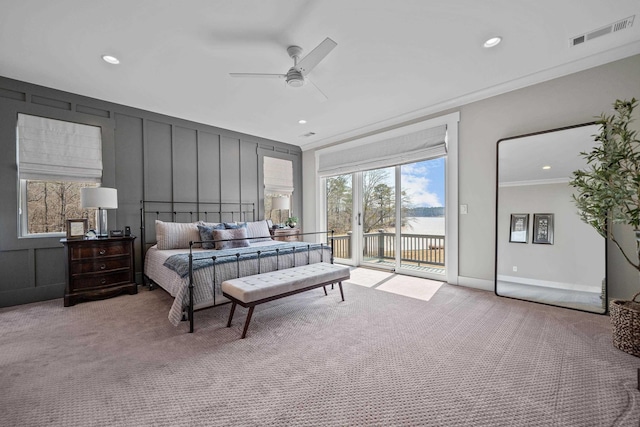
[396, 150]
[278, 176]
[55, 150]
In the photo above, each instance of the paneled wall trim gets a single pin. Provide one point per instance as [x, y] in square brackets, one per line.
[146, 156]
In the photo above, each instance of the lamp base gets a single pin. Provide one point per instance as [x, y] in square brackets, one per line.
[101, 223]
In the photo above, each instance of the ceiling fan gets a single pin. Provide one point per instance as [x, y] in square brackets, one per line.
[297, 75]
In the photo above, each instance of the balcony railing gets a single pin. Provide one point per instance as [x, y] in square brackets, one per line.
[415, 248]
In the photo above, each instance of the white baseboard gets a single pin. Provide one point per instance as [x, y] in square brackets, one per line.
[549, 284]
[472, 282]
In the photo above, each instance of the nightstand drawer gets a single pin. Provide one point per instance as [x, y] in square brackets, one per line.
[99, 249]
[86, 281]
[99, 265]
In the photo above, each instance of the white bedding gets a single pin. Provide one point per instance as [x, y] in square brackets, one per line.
[204, 296]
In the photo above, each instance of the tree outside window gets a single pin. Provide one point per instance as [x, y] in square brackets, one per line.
[50, 203]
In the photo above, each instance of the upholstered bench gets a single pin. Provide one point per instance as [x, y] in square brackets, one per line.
[250, 291]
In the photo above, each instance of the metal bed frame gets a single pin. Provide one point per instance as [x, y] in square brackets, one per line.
[245, 208]
[203, 209]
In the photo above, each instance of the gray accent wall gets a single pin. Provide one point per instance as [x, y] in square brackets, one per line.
[145, 156]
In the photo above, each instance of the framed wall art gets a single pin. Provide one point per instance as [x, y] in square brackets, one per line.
[519, 228]
[543, 229]
[77, 228]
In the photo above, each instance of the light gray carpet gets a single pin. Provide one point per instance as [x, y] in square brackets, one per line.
[464, 358]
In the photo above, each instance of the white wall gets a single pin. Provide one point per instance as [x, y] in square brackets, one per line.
[569, 100]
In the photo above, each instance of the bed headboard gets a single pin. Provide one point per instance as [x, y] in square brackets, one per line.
[150, 210]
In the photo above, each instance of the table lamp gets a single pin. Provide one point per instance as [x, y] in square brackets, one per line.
[280, 203]
[101, 198]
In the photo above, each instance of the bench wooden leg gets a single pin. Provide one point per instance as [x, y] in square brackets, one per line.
[341, 293]
[325, 290]
[233, 308]
[246, 323]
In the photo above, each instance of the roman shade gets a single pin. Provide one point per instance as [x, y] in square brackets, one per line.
[55, 150]
[278, 176]
[384, 152]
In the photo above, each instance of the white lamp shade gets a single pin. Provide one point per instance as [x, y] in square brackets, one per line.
[99, 197]
[280, 203]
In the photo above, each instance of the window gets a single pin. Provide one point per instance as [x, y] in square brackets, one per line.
[55, 160]
[278, 183]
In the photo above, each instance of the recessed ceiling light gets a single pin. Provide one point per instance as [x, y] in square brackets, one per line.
[546, 167]
[493, 41]
[302, 121]
[110, 59]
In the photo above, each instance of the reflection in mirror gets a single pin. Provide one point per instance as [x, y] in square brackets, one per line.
[544, 252]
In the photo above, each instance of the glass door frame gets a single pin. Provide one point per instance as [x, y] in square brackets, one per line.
[451, 210]
[398, 237]
[357, 230]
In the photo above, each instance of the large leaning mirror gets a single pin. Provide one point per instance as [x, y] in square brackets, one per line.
[544, 252]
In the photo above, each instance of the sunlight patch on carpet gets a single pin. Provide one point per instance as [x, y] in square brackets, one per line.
[413, 287]
[367, 277]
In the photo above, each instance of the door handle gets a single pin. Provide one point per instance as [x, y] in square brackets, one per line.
[359, 221]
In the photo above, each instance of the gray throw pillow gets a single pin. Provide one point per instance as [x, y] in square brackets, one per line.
[206, 234]
[234, 225]
[236, 233]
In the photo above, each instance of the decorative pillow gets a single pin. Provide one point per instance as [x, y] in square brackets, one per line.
[176, 235]
[258, 231]
[233, 225]
[206, 233]
[236, 233]
[213, 224]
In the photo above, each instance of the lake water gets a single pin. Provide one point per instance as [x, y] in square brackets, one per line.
[425, 225]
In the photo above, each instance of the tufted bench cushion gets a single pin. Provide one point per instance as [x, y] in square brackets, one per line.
[266, 285]
[250, 291]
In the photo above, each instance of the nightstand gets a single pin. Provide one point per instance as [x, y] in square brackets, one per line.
[98, 268]
[286, 234]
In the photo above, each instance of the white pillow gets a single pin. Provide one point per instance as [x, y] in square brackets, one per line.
[176, 235]
[258, 231]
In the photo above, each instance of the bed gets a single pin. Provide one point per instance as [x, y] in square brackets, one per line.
[175, 260]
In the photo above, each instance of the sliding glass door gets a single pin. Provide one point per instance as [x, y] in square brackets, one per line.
[422, 217]
[378, 207]
[390, 218]
[339, 202]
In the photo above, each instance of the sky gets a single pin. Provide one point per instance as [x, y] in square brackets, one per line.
[424, 182]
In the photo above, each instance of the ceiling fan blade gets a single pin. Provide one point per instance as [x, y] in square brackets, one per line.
[314, 57]
[318, 93]
[258, 75]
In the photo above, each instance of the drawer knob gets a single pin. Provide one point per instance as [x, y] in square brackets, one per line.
[102, 267]
[103, 281]
[102, 251]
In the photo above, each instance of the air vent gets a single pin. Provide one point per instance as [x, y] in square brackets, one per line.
[307, 135]
[611, 28]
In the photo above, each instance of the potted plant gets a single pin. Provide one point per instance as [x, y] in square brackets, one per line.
[607, 193]
[292, 221]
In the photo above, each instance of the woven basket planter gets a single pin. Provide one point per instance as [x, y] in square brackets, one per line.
[625, 320]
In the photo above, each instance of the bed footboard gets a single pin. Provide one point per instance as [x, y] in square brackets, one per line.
[258, 255]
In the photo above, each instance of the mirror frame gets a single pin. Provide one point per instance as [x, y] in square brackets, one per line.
[606, 254]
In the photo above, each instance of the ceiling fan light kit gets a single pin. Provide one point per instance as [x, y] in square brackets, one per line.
[294, 77]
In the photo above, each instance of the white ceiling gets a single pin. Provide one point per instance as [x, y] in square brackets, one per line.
[395, 60]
